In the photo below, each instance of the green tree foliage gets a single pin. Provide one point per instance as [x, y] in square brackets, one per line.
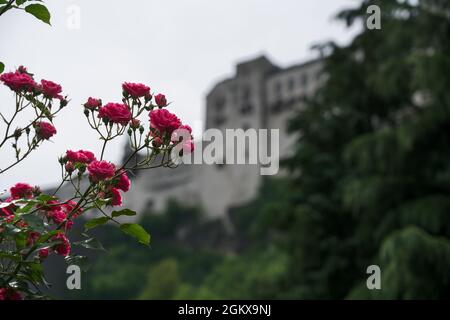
[372, 165]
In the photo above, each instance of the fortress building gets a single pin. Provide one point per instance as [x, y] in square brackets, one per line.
[261, 96]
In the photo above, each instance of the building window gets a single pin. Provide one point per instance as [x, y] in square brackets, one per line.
[246, 109]
[277, 107]
[220, 104]
[304, 80]
[219, 120]
[278, 88]
[246, 94]
[291, 84]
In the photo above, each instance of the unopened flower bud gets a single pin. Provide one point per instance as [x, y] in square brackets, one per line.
[17, 133]
[27, 130]
[82, 169]
[141, 129]
[63, 103]
[69, 167]
[157, 142]
[36, 190]
[130, 131]
[135, 123]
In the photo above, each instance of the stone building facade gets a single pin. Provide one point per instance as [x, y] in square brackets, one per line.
[260, 95]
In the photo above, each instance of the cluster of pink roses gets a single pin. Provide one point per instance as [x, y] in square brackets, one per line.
[112, 181]
[59, 214]
[163, 123]
[21, 81]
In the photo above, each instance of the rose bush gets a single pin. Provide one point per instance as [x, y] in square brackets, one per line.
[34, 224]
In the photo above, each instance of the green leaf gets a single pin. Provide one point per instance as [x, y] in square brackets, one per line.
[26, 208]
[95, 222]
[39, 11]
[20, 2]
[124, 212]
[35, 222]
[91, 243]
[21, 240]
[136, 231]
[34, 272]
[45, 198]
[2, 67]
[10, 256]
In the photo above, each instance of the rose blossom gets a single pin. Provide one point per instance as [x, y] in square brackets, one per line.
[93, 103]
[178, 134]
[164, 121]
[63, 248]
[188, 146]
[115, 112]
[124, 182]
[50, 89]
[69, 208]
[43, 253]
[81, 156]
[135, 90]
[17, 81]
[160, 100]
[32, 237]
[44, 130]
[101, 170]
[116, 197]
[21, 190]
[9, 294]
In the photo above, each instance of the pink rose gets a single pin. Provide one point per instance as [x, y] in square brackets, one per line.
[164, 121]
[69, 208]
[51, 89]
[136, 90]
[43, 253]
[93, 103]
[182, 131]
[9, 294]
[116, 197]
[160, 100]
[101, 170]
[32, 237]
[21, 190]
[81, 156]
[62, 248]
[115, 112]
[17, 81]
[188, 146]
[58, 216]
[44, 130]
[124, 182]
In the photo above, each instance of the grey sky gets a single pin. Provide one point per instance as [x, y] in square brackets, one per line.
[180, 48]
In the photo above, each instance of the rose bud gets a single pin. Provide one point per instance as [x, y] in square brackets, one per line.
[69, 167]
[135, 123]
[157, 142]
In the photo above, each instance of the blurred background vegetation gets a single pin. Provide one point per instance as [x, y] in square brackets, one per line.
[369, 183]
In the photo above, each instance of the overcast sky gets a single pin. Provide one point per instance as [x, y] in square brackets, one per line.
[180, 48]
